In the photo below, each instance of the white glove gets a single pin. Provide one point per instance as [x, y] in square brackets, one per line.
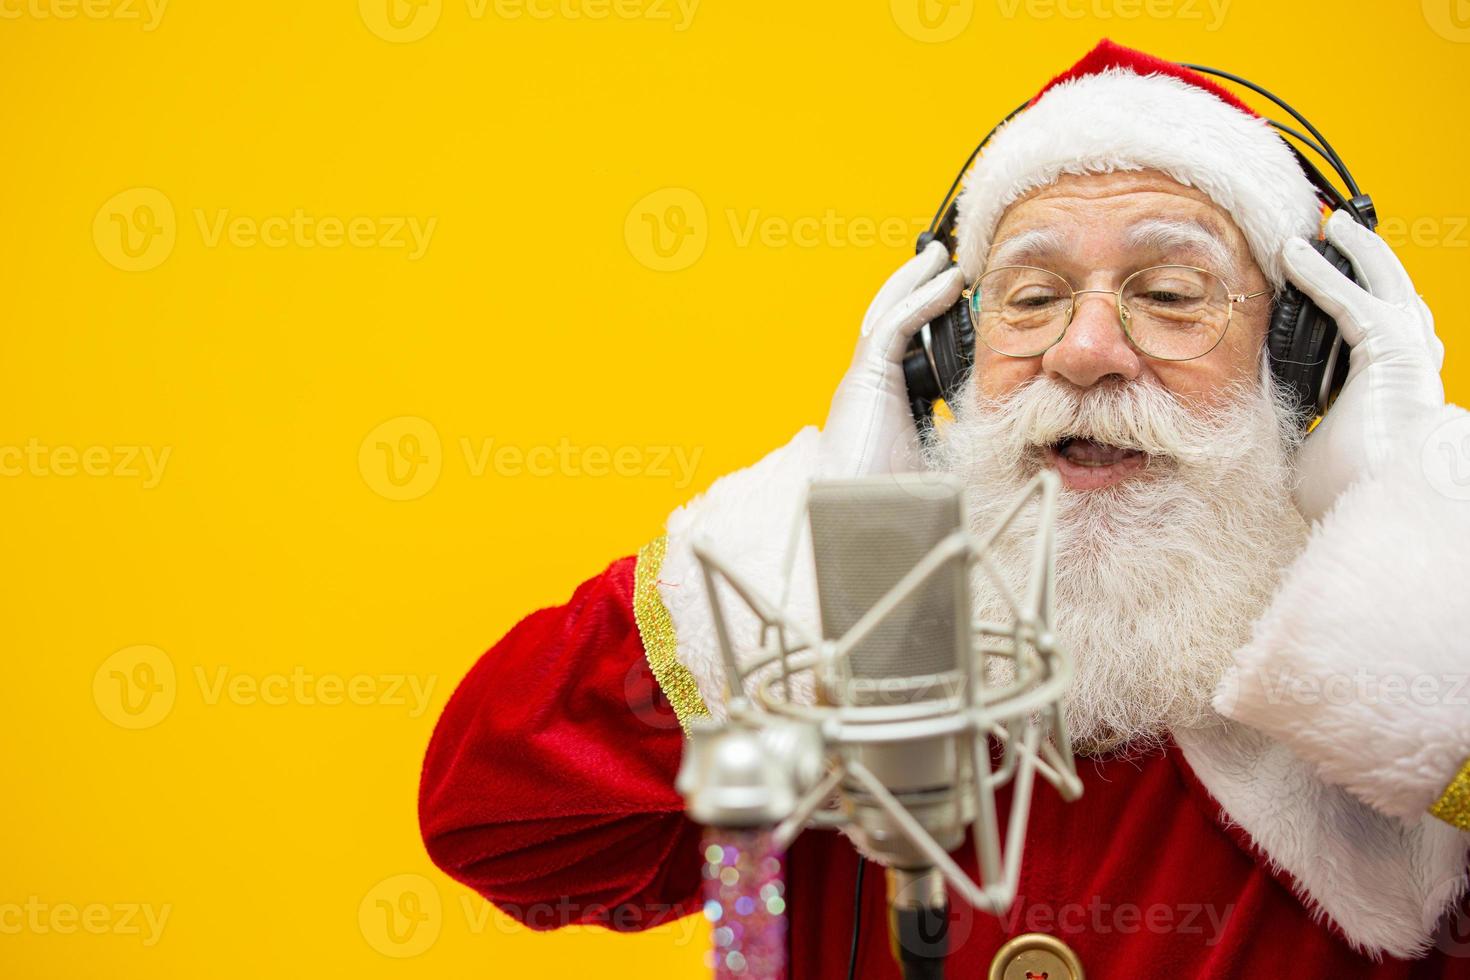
[869, 429]
[1393, 391]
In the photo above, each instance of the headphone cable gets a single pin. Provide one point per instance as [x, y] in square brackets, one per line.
[949, 194]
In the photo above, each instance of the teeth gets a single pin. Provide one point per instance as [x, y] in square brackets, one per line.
[1085, 452]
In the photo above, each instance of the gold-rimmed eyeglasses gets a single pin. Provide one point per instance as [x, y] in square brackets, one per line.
[1168, 312]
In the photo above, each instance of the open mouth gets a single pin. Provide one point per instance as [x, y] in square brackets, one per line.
[1085, 464]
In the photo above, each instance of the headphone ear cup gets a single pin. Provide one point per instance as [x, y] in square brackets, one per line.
[1302, 340]
[938, 359]
[953, 339]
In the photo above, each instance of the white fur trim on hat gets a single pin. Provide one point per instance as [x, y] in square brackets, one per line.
[1119, 120]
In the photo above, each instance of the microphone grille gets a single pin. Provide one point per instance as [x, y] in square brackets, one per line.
[866, 535]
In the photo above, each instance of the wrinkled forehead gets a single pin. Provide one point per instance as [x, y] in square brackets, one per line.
[1138, 215]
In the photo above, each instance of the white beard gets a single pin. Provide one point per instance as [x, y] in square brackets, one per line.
[1159, 577]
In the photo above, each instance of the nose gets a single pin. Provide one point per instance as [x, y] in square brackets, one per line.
[1094, 346]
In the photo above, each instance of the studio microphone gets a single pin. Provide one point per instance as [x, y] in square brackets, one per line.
[866, 536]
[880, 719]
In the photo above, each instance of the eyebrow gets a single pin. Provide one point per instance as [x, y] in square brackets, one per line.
[1171, 236]
[1025, 247]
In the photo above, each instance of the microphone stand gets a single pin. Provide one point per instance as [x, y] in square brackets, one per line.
[918, 922]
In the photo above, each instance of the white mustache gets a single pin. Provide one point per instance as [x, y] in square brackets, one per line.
[1142, 416]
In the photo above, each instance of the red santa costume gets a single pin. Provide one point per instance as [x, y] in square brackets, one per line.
[1313, 836]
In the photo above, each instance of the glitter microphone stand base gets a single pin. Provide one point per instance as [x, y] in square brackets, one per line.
[745, 903]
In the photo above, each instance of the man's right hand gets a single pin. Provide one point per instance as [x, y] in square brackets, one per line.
[870, 430]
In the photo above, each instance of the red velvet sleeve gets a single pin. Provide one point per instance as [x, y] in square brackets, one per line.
[548, 782]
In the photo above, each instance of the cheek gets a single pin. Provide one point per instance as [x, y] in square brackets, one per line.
[1236, 360]
[999, 376]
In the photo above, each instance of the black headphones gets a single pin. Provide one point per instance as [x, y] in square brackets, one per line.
[1306, 351]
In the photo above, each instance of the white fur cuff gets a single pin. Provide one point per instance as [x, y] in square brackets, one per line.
[1362, 663]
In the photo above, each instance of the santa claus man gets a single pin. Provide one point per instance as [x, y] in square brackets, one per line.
[1271, 633]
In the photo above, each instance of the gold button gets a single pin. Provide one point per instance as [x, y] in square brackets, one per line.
[1035, 956]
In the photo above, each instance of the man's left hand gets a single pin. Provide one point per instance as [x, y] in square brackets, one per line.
[1393, 390]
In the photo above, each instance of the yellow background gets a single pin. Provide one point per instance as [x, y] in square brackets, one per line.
[538, 316]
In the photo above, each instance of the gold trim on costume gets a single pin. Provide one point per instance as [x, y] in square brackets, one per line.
[656, 628]
[1453, 807]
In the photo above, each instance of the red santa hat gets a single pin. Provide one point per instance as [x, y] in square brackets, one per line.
[1120, 109]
